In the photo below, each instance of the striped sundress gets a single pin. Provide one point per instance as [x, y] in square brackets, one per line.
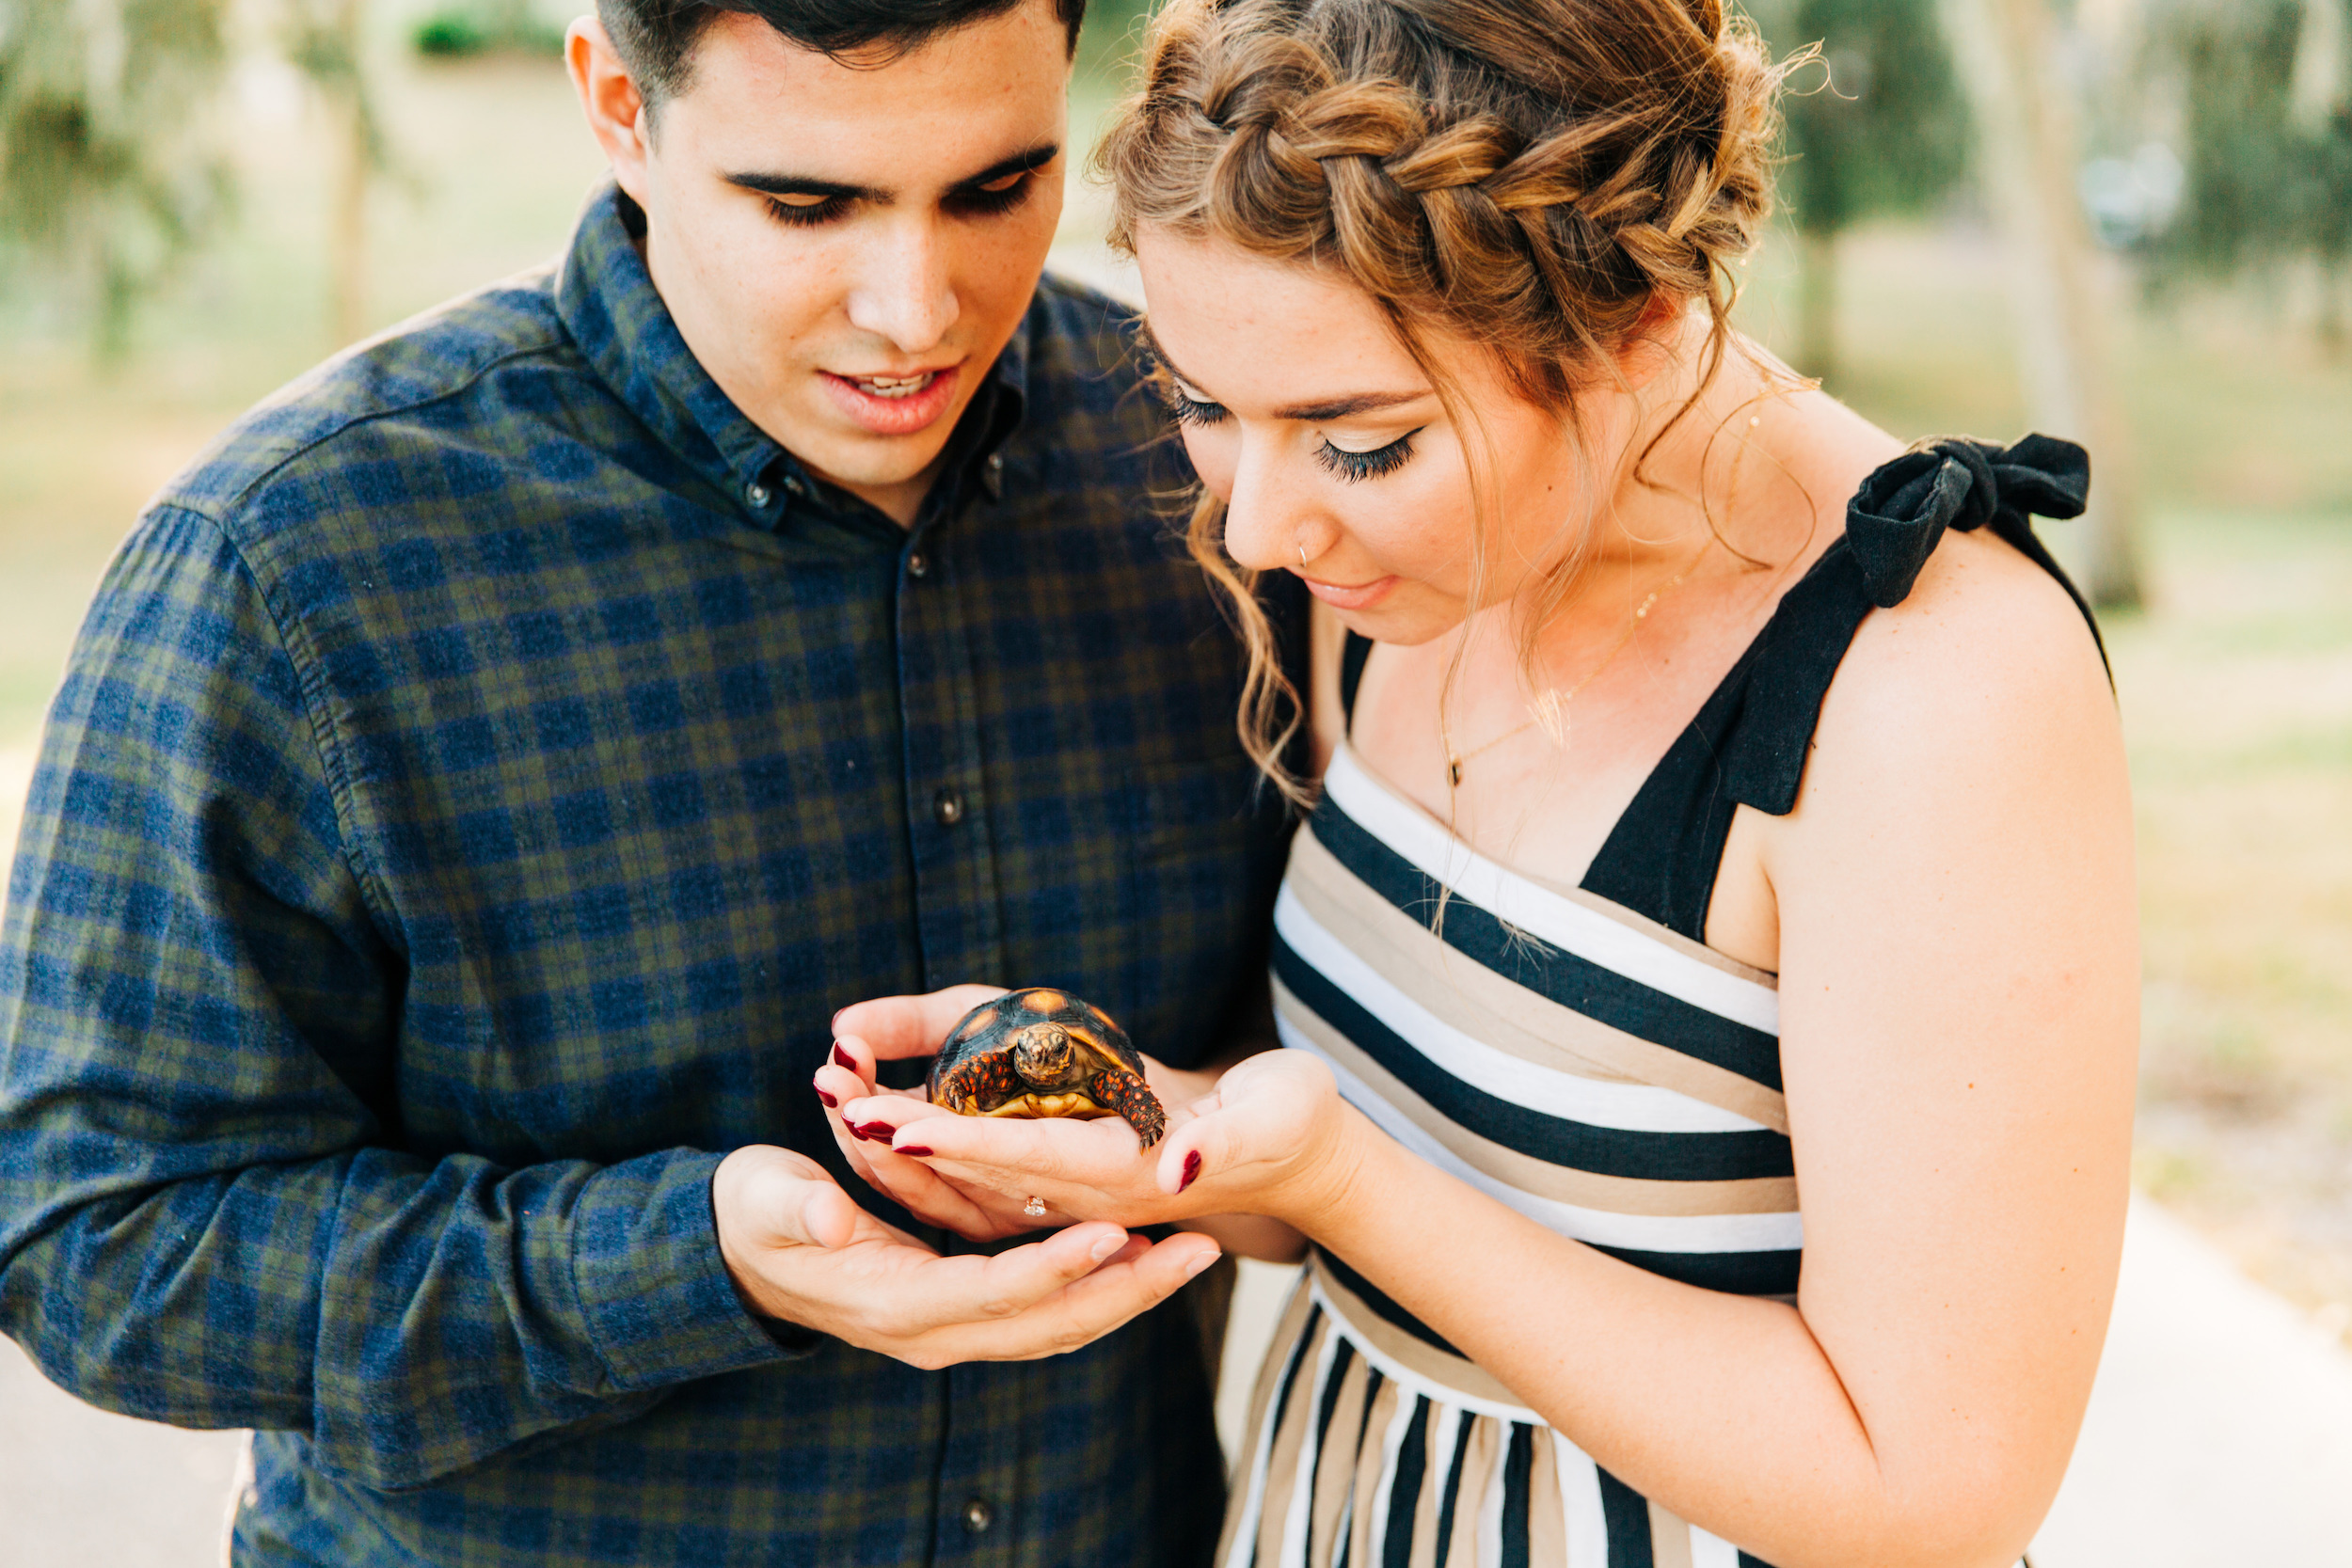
[1577, 1053]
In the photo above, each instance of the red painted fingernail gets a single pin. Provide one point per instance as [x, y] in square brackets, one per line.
[916, 1150]
[842, 1058]
[831, 1103]
[876, 1132]
[1192, 1170]
[850, 1128]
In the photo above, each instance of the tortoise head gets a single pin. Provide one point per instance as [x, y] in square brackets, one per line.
[1046, 1056]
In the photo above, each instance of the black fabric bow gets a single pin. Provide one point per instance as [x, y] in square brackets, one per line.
[1898, 517]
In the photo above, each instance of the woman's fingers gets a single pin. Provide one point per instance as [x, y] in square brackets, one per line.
[896, 1027]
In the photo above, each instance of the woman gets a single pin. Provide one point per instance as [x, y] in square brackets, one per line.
[1709, 967]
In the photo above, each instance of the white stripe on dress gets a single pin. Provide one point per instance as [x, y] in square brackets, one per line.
[1710, 1234]
[1580, 1500]
[1596, 1102]
[1712, 1551]
[1562, 922]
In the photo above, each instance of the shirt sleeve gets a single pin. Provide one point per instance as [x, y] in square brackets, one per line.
[207, 1216]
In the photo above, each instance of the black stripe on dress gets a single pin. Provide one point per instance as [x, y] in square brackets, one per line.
[1627, 1518]
[1518, 1469]
[1555, 1140]
[1378, 1300]
[1526, 959]
[1412, 1463]
[1451, 1491]
[1736, 1273]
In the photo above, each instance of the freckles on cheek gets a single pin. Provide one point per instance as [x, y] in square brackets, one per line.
[1212, 459]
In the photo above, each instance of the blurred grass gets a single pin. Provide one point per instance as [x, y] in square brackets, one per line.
[2237, 683]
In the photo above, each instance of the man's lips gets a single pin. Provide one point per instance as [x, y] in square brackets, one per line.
[895, 405]
[1355, 595]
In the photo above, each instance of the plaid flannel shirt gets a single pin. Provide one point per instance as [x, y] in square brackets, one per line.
[479, 779]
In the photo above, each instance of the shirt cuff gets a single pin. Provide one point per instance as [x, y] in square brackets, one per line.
[652, 1286]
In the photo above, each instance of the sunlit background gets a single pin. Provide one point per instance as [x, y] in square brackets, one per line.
[2127, 221]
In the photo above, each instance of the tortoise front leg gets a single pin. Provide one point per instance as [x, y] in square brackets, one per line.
[1131, 1098]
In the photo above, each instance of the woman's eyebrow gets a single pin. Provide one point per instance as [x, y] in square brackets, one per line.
[1308, 412]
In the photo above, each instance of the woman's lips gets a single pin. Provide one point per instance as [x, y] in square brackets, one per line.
[1359, 595]
[901, 415]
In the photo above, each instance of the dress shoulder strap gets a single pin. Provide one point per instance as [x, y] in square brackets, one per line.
[1749, 743]
[1353, 652]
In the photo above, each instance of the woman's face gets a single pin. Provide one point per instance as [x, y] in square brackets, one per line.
[1310, 420]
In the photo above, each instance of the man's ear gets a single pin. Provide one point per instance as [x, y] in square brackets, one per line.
[615, 109]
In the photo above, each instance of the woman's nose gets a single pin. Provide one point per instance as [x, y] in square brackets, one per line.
[1270, 516]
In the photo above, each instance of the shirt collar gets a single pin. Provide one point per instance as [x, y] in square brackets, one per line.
[608, 303]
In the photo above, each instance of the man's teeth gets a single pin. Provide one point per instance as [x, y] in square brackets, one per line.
[893, 386]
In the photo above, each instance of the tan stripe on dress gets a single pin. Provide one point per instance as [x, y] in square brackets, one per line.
[1499, 1012]
[1478, 1472]
[1668, 1540]
[1547, 1511]
[1286, 1332]
[1335, 1462]
[1415, 1354]
[1288, 1439]
[1614, 1195]
[1371, 1455]
[1439, 1448]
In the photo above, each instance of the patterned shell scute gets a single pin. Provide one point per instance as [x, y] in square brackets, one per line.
[991, 1025]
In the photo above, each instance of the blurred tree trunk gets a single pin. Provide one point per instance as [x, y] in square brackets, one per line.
[2008, 50]
[328, 40]
[1816, 303]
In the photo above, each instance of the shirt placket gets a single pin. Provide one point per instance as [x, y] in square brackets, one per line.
[949, 815]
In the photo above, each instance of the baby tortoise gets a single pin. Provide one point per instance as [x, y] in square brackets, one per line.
[1043, 1053]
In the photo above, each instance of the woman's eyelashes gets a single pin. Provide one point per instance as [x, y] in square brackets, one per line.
[1350, 466]
[1379, 463]
[975, 201]
[1192, 410]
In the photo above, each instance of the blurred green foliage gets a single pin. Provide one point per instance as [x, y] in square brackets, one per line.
[2268, 156]
[108, 170]
[486, 27]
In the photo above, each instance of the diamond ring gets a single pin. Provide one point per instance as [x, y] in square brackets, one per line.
[1035, 1208]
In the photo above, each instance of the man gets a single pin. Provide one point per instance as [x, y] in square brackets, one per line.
[485, 773]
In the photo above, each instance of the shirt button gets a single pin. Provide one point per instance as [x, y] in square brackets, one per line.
[756, 493]
[919, 564]
[977, 1515]
[947, 808]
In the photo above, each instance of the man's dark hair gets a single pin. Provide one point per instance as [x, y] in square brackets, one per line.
[656, 38]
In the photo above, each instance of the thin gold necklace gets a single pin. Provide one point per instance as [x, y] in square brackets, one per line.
[1555, 700]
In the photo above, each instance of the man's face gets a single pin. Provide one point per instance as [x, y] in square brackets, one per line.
[846, 249]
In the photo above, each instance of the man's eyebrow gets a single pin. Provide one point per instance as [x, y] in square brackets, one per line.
[1306, 412]
[1024, 161]
[799, 185]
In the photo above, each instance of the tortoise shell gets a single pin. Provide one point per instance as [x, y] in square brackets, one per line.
[1044, 1052]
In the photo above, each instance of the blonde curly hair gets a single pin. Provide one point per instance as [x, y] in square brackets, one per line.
[1528, 176]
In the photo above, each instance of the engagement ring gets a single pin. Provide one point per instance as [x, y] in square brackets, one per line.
[1035, 1208]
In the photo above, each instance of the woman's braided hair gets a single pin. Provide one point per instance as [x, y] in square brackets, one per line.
[1530, 176]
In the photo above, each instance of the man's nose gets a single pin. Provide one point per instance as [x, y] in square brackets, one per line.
[907, 293]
